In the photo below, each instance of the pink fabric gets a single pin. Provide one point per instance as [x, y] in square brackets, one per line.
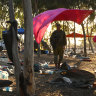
[42, 21]
[94, 39]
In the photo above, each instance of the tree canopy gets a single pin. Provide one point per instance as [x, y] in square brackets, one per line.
[39, 6]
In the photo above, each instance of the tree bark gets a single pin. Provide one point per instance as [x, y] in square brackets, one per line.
[14, 49]
[28, 49]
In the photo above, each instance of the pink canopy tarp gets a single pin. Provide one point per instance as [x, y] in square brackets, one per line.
[42, 21]
[77, 35]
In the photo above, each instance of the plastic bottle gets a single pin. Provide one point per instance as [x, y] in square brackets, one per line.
[9, 89]
[49, 72]
[0, 74]
[5, 75]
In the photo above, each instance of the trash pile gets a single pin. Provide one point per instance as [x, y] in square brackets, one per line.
[78, 78]
[6, 70]
[3, 73]
[78, 55]
[43, 68]
[75, 78]
[4, 79]
[81, 58]
[69, 76]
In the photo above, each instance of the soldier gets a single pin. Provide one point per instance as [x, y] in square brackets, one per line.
[58, 42]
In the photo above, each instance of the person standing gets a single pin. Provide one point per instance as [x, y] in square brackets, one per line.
[58, 42]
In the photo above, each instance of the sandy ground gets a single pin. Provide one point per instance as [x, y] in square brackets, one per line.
[43, 88]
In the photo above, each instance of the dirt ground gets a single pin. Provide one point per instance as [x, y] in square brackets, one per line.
[46, 89]
[43, 88]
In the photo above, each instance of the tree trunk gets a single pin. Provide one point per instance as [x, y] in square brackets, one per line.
[91, 42]
[11, 10]
[85, 52]
[89, 39]
[68, 44]
[14, 49]
[36, 10]
[74, 40]
[16, 62]
[28, 49]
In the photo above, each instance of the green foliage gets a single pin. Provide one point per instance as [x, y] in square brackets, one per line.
[18, 4]
[43, 5]
[92, 17]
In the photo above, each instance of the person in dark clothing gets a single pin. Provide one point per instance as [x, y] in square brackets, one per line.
[58, 42]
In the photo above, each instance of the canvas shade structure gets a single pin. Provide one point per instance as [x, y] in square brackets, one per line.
[77, 35]
[42, 21]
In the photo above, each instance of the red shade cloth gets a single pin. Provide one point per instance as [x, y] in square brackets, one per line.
[42, 21]
[77, 35]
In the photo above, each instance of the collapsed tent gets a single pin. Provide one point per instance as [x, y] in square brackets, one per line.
[42, 21]
[77, 35]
